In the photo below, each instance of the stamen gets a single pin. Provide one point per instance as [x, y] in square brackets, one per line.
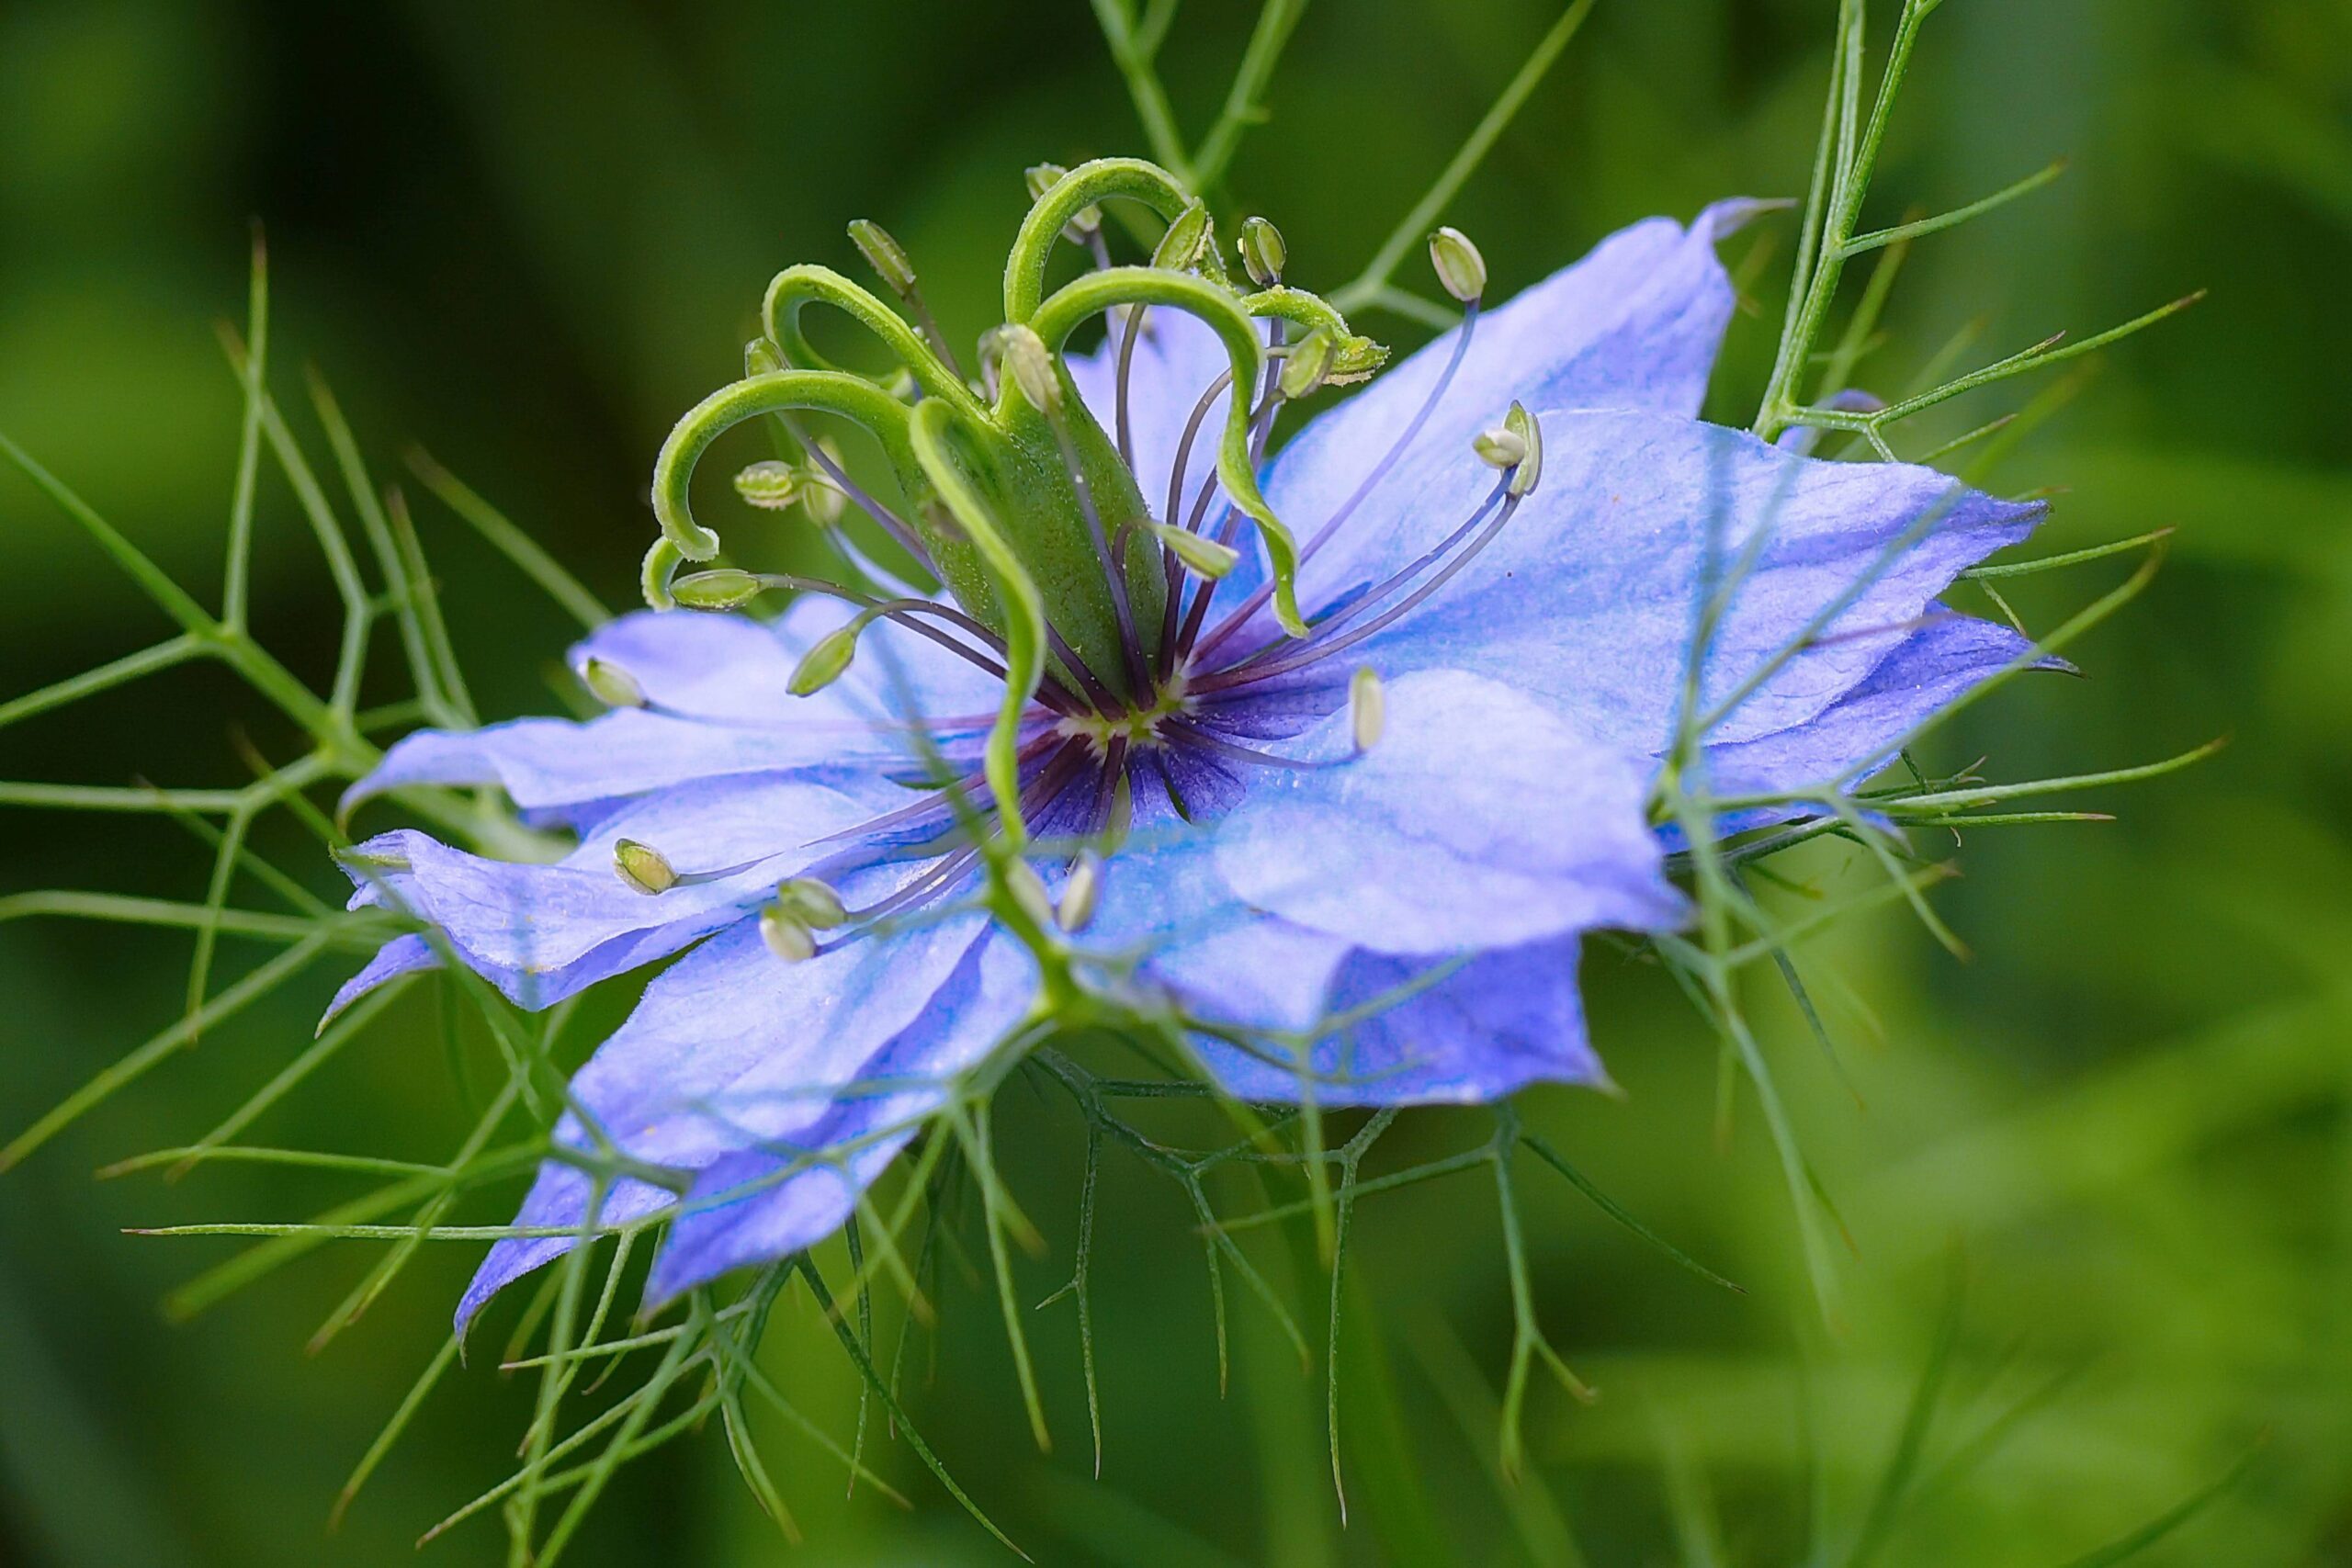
[813, 902]
[787, 935]
[609, 684]
[1372, 597]
[1367, 708]
[642, 867]
[1380, 469]
[1378, 623]
[892, 264]
[729, 588]
[1081, 893]
[892, 524]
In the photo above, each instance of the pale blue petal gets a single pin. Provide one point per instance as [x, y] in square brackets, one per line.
[1484, 1028]
[1587, 599]
[405, 954]
[729, 670]
[1165, 905]
[729, 1048]
[736, 669]
[782, 1192]
[1855, 736]
[1633, 325]
[1481, 819]
[542, 932]
[1177, 358]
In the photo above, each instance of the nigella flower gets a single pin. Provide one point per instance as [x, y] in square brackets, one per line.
[1361, 788]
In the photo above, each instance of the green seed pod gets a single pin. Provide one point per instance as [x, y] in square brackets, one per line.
[1042, 177]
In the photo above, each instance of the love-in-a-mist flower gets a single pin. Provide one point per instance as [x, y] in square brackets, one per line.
[1333, 755]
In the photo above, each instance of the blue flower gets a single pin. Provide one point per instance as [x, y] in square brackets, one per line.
[1418, 852]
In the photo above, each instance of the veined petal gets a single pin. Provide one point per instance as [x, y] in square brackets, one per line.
[1588, 597]
[542, 932]
[1856, 734]
[1635, 324]
[736, 669]
[1456, 1031]
[722, 709]
[790, 1189]
[729, 1050]
[1481, 819]
[1228, 961]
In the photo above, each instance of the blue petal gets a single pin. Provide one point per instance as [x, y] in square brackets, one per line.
[784, 1193]
[1588, 597]
[737, 669]
[1481, 819]
[405, 954]
[1164, 898]
[728, 1049]
[1633, 325]
[1483, 1029]
[726, 678]
[1858, 734]
[542, 932]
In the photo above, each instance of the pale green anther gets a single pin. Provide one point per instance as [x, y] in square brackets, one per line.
[814, 901]
[609, 684]
[761, 356]
[724, 588]
[787, 935]
[1521, 424]
[991, 357]
[1123, 814]
[643, 867]
[883, 254]
[1031, 364]
[1500, 449]
[1308, 364]
[1201, 557]
[771, 484]
[1179, 248]
[1081, 893]
[1262, 252]
[1459, 265]
[827, 659]
[1367, 708]
[1028, 890]
[1042, 177]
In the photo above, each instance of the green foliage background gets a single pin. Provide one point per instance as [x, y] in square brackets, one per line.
[527, 235]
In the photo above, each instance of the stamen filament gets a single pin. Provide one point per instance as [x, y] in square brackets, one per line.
[1388, 460]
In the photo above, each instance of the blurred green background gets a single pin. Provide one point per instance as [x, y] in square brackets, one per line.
[527, 235]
